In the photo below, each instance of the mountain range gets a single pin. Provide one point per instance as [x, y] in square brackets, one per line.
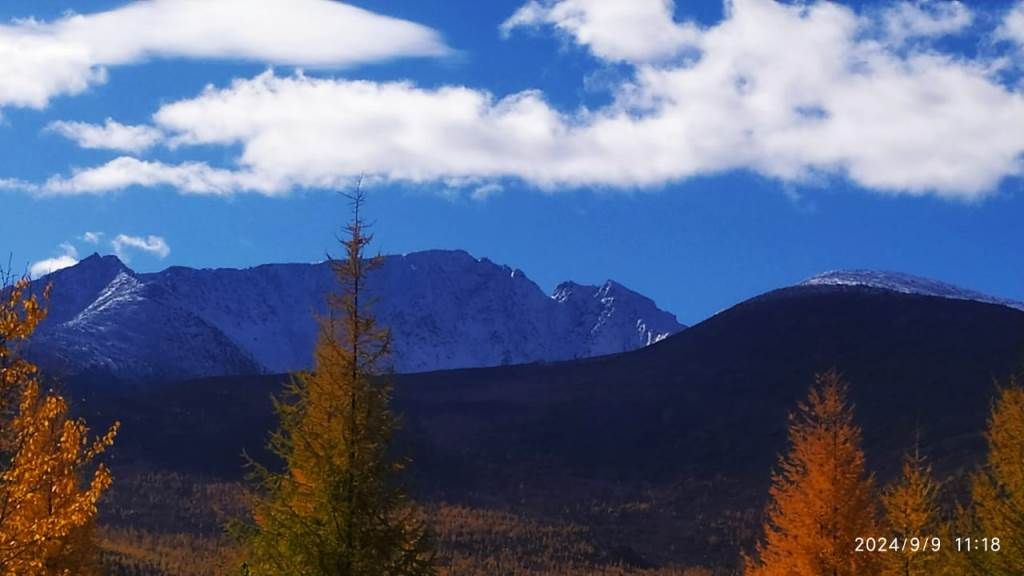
[663, 453]
[446, 309]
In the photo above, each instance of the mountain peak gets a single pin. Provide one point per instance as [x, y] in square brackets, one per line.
[75, 287]
[904, 284]
[445, 308]
[566, 289]
[613, 305]
[94, 261]
[609, 288]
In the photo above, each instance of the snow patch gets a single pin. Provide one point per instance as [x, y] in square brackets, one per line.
[905, 284]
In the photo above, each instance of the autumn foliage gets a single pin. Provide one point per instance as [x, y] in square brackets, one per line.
[822, 498]
[997, 490]
[912, 512]
[337, 507]
[49, 484]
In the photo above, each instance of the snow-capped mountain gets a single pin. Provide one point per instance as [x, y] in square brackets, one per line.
[904, 283]
[446, 309]
[610, 318]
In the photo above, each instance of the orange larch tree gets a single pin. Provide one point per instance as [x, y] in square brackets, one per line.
[997, 489]
[47, 494]
[822, 498]
[914, 518]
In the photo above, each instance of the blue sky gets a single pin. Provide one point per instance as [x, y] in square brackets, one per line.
[697, 152]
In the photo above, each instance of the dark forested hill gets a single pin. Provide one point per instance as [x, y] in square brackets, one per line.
[698, 418]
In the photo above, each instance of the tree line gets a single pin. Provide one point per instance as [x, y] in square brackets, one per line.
[826, 515]
[333, 505]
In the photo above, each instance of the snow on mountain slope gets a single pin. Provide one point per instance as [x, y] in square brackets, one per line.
[268, 311]
[449, 309]
[446, 309]
[131, 332]
[904, 283]
[611, 318]
[74, 289]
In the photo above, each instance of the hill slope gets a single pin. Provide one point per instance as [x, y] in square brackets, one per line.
[666, 450]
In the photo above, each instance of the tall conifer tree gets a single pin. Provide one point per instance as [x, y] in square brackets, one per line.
[337, 508]
[997, 490]
[822, 498]
[912, 512]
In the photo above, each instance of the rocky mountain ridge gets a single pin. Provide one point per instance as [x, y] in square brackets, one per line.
[446, 309]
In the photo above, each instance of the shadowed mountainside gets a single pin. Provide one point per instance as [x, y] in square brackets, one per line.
[691, 425]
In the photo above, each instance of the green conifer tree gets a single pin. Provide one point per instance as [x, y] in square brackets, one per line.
[337, 508]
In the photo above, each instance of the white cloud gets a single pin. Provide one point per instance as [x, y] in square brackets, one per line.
[300, 131]
[154, 245]
[487, 191]
[49, 265]
[40, 60]
[16, 184]
[1012, 28]
[110, 135]
[792, 92]
[92, 237]
[187, 178]
[927, 18]
[67, 258]
[625, 30]
[122, 245]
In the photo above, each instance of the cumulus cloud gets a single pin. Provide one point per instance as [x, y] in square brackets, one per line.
[67, 258]
[929, 18]
[40, 60]
[792, 92]
[1012, 27]
[624, 30]
[92, 237]
[154, 245]
[110, 135]
[301, 131]
[187, 178]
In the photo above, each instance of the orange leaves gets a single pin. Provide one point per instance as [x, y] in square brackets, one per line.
[1006, 441]
[997, 490]
[20, 314]
[912, 511]
[46, 509]
[822, 498]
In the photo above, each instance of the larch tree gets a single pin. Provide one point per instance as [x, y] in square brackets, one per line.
[913, 517]
[337, 508]
[821, 497]
[50, 482]
[997, 490]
